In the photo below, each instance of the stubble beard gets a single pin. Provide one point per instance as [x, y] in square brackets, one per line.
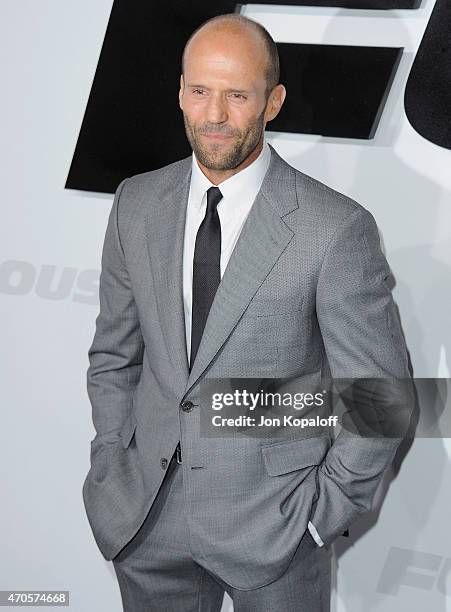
[215, 157]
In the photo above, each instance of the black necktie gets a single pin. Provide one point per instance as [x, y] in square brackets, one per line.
[206, 268]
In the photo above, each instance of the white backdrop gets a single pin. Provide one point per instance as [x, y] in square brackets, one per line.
[51, 241]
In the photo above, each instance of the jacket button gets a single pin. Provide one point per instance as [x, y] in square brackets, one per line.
[163, 463]
[187, 406]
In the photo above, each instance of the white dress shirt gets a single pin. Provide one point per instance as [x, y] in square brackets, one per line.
[238, 195]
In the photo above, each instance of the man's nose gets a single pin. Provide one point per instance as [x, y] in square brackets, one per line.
[217, 109]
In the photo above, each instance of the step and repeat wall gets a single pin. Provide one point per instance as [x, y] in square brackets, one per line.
[90, 97]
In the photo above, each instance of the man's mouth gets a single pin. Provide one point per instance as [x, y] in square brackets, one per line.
[216, 136]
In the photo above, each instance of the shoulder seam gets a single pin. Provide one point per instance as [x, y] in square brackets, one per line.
[119, 194]
[354, 213]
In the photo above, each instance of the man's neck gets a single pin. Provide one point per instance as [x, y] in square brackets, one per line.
[219, 176]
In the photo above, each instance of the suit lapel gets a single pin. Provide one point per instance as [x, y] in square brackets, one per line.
[263, 239]
[165, 229]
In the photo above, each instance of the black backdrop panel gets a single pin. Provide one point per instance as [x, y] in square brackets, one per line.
[133, 122]
[428, 92]
[334, 90]
[355, 4]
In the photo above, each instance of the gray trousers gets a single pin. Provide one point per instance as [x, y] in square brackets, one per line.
[157, 573]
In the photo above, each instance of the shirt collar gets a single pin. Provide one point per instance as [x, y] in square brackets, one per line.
[249, 179]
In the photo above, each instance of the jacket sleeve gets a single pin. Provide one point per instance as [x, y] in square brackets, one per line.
[116, 353]
[363, 341]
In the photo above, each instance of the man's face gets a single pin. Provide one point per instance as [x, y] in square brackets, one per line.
[223, 97]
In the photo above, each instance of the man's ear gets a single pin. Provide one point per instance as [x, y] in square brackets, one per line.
[182, 87]
[275, 100]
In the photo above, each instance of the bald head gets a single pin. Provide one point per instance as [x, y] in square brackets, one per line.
[229, 90]
[244, 32]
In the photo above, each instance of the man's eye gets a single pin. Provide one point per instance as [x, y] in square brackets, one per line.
[238, 96]
[198, 92]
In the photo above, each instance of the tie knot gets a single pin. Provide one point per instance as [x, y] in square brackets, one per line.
[214, 196]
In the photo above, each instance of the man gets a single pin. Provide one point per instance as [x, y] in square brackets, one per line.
[231, 264]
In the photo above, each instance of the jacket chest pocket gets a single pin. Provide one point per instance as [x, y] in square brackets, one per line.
[274, 305]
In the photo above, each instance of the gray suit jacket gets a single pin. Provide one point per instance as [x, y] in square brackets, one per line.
[305, 292]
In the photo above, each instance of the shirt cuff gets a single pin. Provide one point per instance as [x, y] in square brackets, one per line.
[314, 534]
